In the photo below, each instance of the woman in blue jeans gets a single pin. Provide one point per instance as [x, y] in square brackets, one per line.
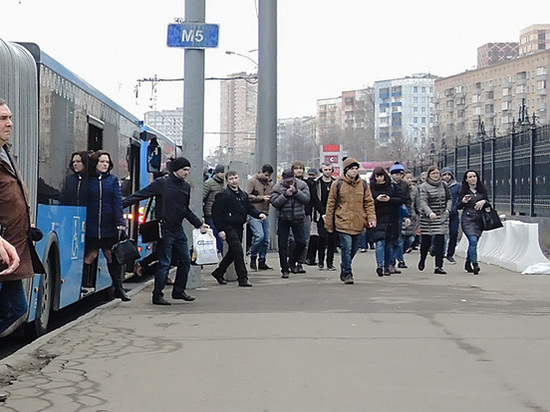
[472, 198]
[388, 199]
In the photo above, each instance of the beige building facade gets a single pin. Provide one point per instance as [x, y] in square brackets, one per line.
[492, 96]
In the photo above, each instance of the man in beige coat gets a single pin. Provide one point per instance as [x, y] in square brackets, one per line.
[350, 208]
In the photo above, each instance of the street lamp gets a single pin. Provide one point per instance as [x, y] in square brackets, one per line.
[242, 55]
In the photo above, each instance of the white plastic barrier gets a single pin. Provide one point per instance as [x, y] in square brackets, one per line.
[514, 246]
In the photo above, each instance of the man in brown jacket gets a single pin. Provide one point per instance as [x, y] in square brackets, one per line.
[14, 228]
[350, 208]
[259, 191]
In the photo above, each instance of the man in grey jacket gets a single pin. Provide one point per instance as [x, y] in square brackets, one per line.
[289, 197]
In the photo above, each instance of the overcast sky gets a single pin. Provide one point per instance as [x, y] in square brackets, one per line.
[324, 47]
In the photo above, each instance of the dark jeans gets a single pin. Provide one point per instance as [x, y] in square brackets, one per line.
[219, 243]
[283, 231]
[172, 247]
[234, 239]
[439, 247]
[453, 234]
[13, 303]
[327, 243]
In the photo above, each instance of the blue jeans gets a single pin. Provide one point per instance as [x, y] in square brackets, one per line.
[13, 303]
[173, 245]
[350, 245]
[472, 248]
[260, 241]
[219, 243]
[384, 253]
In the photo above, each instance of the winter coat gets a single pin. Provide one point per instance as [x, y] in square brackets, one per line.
[387, 213]
[310, 182]
[471, 219]
[104, 213]
[210, 189]
[350, 206]
[75, 191]
[256, 190]
[290, 209]
[454, 188]
[172, 203]
[231, 209]
[434, 197]
[14, 221]
[318, 203]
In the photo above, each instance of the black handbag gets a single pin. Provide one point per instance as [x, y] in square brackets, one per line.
[150, 231]
[125, 250]
[490, 218]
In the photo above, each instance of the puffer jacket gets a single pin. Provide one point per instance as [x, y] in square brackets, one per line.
[434, 196]
[104, 206]
[210, 189]
[387, 213]
[75, 191]
[290, 209]
[350, 206]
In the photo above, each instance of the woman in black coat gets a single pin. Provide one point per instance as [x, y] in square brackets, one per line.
[472, 198]
[388, 198]
[75, 191]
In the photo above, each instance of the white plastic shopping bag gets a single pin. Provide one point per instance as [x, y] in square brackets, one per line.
[204, 247]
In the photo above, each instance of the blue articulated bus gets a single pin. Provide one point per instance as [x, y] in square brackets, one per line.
[56, 113]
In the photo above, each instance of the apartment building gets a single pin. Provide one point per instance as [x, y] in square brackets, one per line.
[493, 53]
[168, 122]
[404, 109]
[492, 96]
[534, 38]
[238, 107]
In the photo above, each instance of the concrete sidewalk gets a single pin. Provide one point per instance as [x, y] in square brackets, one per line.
[415, 342]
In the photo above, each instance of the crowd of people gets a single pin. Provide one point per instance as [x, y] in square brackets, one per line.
[317, 214]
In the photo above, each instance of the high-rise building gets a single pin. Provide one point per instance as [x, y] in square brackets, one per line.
[238, 107]
[492, 96]
[329, 126]
[492, 53]
[534, 38]
[404, 109]
[168, 122]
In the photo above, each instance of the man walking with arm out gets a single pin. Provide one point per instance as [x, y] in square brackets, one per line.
[230, 210]
[172, 201]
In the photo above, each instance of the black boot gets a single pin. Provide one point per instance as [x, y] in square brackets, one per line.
[468, 266]
[476, 268]
[115, 270]
[263, 266]
[253, 265]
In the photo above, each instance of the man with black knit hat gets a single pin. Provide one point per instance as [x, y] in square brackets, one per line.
[210, 189]
[172, 206]
[289, 197]
[350, 209]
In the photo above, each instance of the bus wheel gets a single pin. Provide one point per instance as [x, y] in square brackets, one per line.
[45, 294]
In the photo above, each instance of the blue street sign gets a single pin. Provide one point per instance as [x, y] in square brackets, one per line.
[193, 35]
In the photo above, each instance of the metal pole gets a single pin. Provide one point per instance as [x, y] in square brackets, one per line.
[193, 121]
[266, 120]
[266, 128]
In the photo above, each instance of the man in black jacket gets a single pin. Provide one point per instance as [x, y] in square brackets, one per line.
[172, 202]
[230, 210]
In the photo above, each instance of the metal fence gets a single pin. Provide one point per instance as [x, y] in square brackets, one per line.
[515, 168]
